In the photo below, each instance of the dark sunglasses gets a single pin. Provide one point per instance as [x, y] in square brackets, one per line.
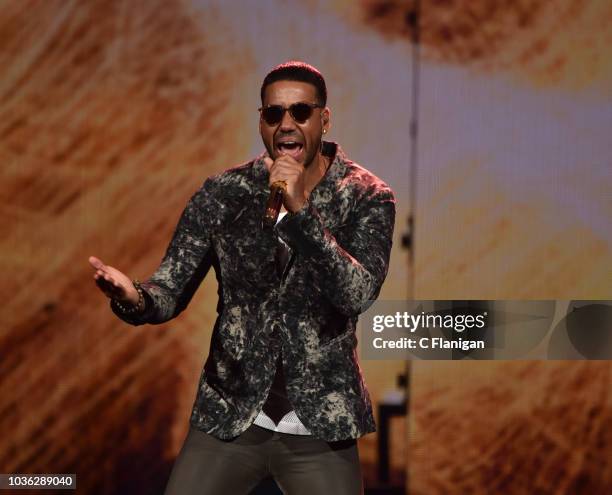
[300, 112]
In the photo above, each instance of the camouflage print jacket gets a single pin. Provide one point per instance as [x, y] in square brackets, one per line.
[339, 253]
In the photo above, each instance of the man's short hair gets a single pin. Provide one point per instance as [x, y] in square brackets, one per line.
[294, 70]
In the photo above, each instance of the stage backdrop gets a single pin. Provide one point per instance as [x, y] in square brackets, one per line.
[112, 113]
[514, 182]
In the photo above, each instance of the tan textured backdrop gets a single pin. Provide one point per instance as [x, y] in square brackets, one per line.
[113, 112]
[104, 108]
[514, 202]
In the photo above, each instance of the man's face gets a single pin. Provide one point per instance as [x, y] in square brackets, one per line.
[301, 141]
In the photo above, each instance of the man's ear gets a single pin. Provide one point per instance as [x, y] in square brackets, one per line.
[325, 119]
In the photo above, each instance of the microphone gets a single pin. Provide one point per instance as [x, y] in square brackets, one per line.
[274, 203]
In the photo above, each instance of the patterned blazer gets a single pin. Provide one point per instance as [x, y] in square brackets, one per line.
[339, 243]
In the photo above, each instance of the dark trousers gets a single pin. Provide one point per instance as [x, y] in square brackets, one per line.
[301, 465]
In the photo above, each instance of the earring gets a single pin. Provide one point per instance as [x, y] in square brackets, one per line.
[324, 131]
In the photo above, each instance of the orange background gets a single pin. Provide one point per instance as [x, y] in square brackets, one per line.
[114, 112]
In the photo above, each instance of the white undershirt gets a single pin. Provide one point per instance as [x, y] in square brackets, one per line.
[289, 423]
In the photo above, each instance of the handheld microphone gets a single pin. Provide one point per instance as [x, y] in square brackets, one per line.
[274, 203]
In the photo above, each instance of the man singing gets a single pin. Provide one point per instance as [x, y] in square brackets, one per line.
[281, 393]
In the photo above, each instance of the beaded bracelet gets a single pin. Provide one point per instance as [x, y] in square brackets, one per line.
[138, 307]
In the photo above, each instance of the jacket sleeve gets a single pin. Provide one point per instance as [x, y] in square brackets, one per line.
[166, 291]
[350, 273]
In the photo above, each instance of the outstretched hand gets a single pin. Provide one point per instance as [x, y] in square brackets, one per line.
[113, 283]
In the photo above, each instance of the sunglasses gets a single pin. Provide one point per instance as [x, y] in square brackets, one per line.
[300, 112]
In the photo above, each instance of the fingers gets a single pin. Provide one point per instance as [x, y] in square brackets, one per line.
[109, 288]
[268, 161]
[285, 168]
[96, 263]
[102, 275]
[101, 268]
[104, 280]
[282, 160]
[108, 279]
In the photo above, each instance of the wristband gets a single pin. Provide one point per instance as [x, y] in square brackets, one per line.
[136, 308]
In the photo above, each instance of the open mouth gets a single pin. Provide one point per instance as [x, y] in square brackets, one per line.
[292, 148]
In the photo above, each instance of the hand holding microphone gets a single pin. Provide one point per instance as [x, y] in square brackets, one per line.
[286, 187]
